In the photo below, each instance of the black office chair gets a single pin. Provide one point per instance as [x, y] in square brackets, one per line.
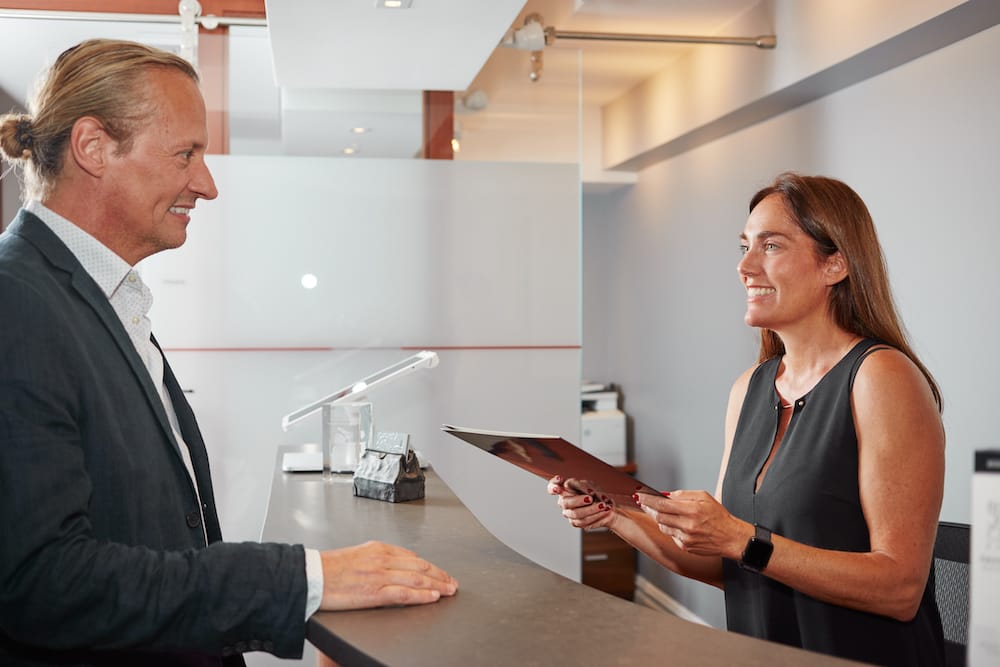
[951, 569]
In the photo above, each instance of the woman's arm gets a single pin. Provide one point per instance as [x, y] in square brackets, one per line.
[675, 549]
[642, 531]
[588, 511]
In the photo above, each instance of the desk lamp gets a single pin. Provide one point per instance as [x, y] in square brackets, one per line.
[352, 393]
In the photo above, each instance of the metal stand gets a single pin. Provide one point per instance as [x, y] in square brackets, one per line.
[326, 441]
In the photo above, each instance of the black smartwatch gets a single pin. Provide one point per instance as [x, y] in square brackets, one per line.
[758, 550]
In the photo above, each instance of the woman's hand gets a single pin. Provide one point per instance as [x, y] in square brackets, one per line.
[697, 523]
[582, 503]
[586, 506]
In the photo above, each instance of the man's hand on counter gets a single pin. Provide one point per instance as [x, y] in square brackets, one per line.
[375, 574]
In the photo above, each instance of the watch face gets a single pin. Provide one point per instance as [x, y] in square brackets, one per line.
[757, 554]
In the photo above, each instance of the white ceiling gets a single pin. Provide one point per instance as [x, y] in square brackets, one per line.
[354, 44]
[324, 52]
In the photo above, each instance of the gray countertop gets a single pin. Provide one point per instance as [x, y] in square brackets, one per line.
[508, 611]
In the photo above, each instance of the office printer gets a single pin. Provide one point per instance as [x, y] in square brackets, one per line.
[602, 424]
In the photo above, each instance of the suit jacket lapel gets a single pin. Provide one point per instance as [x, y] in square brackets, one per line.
[55, 251]
[188, 426]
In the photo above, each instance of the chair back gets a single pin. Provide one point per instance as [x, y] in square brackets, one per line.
[951, 566]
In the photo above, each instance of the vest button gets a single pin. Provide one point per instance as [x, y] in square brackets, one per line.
[193, 520]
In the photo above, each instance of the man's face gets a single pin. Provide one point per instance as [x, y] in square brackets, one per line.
[155, 185]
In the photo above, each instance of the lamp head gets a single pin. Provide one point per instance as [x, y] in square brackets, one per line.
[430, 359]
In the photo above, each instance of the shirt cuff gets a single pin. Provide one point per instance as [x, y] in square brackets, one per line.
[314, 581]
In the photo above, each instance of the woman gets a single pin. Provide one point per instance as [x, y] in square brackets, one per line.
[821, 531]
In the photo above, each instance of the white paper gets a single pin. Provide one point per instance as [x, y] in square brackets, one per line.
[984, 573]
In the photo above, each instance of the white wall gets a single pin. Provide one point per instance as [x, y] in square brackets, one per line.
[921, 144]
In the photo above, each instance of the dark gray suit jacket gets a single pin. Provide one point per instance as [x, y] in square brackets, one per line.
[102, 556]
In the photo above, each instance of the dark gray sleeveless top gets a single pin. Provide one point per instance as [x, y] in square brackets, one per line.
[810, 495]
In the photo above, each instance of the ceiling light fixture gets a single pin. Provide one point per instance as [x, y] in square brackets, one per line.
[350, 150]
[534, 36]
[359, 130]
[393, 4]
[189, 11]
[472, 101]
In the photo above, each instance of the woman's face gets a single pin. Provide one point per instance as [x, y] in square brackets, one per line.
[786, 280]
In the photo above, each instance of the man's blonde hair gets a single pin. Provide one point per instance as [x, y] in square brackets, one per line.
[101, 78]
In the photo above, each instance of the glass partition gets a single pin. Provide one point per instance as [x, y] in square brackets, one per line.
[316, 266]
[331, 253]
[307, 273]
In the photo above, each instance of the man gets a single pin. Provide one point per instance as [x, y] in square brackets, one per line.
[111, 551]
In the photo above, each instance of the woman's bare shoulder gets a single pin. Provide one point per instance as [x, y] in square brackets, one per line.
[886, 365]
[887, 373]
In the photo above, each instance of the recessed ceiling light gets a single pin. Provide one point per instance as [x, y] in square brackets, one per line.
[360, 130]
[350, 150]
[393, 4]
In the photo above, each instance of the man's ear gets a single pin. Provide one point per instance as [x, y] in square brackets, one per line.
[836, 268]
[90, 145]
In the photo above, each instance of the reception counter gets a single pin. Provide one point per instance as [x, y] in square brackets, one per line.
[508, 611]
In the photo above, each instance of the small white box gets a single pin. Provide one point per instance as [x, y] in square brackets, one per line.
[602, 433]
[984, 566]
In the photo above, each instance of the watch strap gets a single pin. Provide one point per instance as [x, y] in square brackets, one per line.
[757, 552]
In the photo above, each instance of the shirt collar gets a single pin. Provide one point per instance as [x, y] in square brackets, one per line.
[106, 268]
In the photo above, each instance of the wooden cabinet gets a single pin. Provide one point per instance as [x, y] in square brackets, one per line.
[608, 563]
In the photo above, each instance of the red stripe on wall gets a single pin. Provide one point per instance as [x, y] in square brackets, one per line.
[405, 347]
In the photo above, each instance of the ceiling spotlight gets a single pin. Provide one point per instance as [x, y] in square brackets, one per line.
[472, 101]
[359, 130]
[350, 150]
[532, 36]
[393, 4]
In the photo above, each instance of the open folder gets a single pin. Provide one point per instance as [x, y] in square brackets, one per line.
[550, 455]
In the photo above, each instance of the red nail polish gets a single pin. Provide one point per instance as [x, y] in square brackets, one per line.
[588, 499]
[665, 494]
[600, 506]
